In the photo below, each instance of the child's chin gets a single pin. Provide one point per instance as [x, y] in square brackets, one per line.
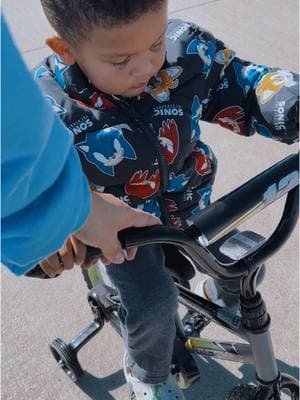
[132, 92]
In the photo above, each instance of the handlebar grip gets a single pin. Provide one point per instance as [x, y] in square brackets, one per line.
[37, 271]
[91, 253]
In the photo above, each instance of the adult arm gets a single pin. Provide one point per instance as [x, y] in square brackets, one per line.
[45, 196]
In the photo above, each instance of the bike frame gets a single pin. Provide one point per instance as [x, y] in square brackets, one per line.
[213, 223]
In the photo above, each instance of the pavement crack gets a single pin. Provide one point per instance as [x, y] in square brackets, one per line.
[194, 6]
[34, 49]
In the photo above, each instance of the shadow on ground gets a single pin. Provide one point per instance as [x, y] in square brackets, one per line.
[99, 388]
[215, 382]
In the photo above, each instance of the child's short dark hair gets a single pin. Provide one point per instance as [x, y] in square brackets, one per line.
[74, 19]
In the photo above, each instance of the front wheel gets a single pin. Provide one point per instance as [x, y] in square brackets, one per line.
[289, 390]
[290, 385]
[245, 392]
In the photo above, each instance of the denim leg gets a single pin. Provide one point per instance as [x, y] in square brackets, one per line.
[149, 303]
[229, 290]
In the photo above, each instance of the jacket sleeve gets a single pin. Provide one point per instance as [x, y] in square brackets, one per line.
[249, 98]
[240, 95]
[45, 196]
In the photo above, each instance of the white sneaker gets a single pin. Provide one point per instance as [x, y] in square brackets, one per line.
[159, 391]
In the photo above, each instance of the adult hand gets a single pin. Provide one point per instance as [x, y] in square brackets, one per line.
[108, 216]
[73, 252]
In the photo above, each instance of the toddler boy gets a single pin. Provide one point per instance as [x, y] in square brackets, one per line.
[132, 87]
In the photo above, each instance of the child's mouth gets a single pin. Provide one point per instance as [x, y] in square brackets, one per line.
[140, 85]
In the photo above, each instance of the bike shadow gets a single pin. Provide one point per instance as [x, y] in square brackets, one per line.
[217, 380]
[214, 384]
[99, 388]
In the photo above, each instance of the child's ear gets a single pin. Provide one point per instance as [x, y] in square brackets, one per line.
[60, 47]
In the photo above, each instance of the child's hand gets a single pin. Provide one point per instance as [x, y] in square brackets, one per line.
[72, 253]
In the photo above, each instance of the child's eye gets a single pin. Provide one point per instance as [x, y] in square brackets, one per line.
[121, 63]
[157, 46]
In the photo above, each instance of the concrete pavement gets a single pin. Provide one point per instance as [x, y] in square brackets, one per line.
[35, 312]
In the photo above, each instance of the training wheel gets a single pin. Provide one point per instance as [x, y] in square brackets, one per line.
[66, 358]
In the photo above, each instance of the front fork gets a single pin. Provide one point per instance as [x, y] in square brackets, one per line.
[256, 323]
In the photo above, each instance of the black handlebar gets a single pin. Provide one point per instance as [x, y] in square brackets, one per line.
[220, 218]
[244, 202]
[37, 272]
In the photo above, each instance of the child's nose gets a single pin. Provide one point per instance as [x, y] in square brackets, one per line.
[142, 69]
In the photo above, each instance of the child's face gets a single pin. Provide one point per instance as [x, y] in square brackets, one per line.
[122, 60]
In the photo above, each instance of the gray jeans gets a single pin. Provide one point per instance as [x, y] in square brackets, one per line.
[149, 303]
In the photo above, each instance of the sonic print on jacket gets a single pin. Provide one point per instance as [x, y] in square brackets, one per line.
[149, 151]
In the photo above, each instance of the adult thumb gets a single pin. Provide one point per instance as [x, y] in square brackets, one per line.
[141, 218]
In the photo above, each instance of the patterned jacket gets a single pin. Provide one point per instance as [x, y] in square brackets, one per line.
[148, 150]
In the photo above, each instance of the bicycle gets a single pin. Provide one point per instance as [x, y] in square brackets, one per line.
[214, 243]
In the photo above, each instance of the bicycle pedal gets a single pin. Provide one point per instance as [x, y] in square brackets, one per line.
[185, 379]
[194, 323]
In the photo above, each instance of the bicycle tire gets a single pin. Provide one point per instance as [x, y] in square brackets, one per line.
[252, 392]
[245, 392]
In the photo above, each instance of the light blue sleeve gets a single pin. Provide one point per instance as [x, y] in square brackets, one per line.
[45, 196]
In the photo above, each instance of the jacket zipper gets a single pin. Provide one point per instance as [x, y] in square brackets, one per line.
[149, 131]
